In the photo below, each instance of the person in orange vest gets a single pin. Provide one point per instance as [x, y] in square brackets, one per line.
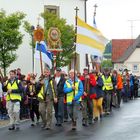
[118, 87]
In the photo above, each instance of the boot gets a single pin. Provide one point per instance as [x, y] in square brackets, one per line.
[96, 119]
[74, 125]
[12, 127]
[33, 123]
[84, 122]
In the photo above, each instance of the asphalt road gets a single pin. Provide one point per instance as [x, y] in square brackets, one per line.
[122, 124]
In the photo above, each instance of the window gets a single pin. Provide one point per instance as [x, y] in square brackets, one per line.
[135, 68]
[52, 9]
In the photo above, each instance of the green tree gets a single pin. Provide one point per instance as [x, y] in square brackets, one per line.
[29, 29]
[10, 37]
[67, 37]
[106, 64]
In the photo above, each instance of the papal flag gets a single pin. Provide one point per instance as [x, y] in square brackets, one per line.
[89, 39]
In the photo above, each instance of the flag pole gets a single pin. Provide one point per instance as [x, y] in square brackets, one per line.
[39, 36]
[76, 9]
[41, 64]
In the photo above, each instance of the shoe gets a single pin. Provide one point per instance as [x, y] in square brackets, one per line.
[84, 123]
[47, 128]
[96, 119]
[33, 124]
[74, 125]
[12, 128]
[108, 113]
[59, 125]
[65, 120]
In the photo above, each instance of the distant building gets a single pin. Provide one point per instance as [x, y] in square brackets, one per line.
[126, 54]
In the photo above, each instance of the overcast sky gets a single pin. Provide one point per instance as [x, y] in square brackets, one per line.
[113, 15]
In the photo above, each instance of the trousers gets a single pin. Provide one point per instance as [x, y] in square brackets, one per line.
[13, 112]
[45, 110]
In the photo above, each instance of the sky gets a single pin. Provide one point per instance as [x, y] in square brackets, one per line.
[113, 17]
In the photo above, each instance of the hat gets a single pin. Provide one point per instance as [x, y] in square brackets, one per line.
[58, 69]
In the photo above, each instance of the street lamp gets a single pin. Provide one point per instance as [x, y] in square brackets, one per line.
[32, 35]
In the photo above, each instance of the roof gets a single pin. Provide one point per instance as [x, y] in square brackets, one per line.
[130, 50]
[119, 48]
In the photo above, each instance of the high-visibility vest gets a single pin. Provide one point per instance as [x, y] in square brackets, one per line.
[107, 83]
[13, 96]
[41, 93]
[70, 95]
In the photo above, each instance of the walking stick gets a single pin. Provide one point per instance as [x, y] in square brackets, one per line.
[76, 9]
[73, 102]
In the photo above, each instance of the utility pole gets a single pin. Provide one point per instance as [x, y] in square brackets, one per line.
[132, 26]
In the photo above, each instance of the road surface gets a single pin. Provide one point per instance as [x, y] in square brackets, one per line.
[122, 124]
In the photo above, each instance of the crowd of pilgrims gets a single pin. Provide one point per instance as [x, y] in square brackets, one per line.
[93, 93]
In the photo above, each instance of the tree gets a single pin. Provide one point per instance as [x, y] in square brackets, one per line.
[10, 37]
[106, 64]
[67, 37]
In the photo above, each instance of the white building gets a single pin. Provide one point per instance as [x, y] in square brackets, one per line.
[32, 8]
[125, 55]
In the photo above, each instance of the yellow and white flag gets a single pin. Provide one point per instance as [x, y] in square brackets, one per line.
[89, 39]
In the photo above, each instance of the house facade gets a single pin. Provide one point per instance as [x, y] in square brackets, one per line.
[126, 55]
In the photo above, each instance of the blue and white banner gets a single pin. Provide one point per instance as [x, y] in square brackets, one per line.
[46, 55]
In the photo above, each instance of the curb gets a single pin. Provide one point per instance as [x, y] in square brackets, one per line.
[22, 121]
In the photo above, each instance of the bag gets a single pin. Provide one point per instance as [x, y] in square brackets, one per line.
[93, 96]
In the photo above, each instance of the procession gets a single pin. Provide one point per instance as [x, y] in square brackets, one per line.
[92, 94]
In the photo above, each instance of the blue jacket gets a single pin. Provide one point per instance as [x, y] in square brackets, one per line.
[80, 89]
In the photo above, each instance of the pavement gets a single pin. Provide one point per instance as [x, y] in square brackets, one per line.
[4, 123]
[122, 124]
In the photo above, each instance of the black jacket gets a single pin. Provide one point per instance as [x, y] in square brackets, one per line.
[60, 87]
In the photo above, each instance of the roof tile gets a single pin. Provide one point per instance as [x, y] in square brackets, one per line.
[119, 46]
